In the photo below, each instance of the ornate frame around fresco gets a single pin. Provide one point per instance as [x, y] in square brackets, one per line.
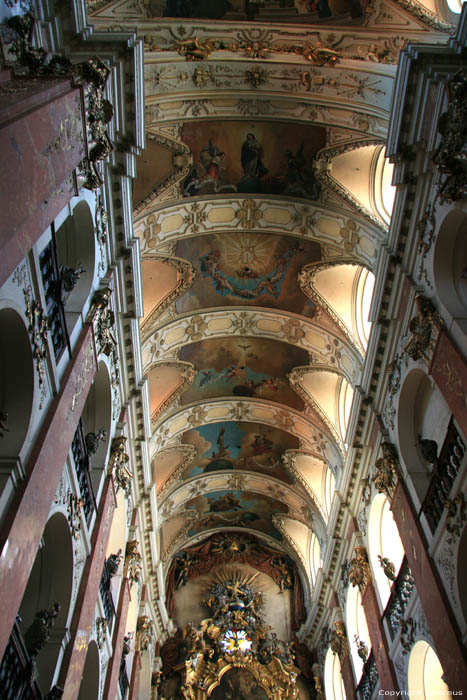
[277, 682]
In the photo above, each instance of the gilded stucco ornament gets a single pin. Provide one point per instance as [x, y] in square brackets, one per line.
[387, 469]
[359, 571]
[339, 643]
[456, 509]
[144, 633]
[133, 567]
[320, 54]
[38, 328]
[118, 466]
[101, 632]
[451, 154]
[424, 329]
[235, 636]
[194, 49]
[388, 567]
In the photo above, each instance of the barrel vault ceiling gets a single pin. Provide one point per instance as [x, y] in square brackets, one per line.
[260, 208]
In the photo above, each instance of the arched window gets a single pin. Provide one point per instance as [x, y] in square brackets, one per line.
[384, 540]
[425, 675]
[333, 683]
[315, 557]
[356, 627]
[455, 6]
[329, 488]
[363, 297]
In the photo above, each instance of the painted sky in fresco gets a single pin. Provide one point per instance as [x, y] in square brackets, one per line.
[239, 445]
[247, 269]
[251, 367]
[236, 509]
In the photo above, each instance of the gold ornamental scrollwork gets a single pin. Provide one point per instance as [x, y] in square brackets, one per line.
[118, 466]
[339, 643]
[359, 571]
[387, 470]
[424, 329]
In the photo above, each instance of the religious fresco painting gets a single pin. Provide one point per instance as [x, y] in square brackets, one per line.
[252, 367]
[247, 269]
[261, 158]
[273, 10]
[238, 684]
[235, 509]
[239, 446]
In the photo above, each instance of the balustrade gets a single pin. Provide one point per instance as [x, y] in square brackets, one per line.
[17, 672]
[82, 464]
[52, 291]
[106, 595]
[369, 678]
[400, 595]
[445, 470]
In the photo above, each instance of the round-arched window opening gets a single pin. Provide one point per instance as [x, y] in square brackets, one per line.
[422, 411]
[89, 688]
[96, 417]
[363, 297]
[333, 683]
[76, 249]
[455, 6]
[450, 265]
[384, 191]
[356, 628]
[384, 541]
[315, 557]
[16, 384]
[50, 582]
[425, 674]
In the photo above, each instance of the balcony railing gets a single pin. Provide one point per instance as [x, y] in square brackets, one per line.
[447, 467]
[52, 291]
[106, 595]
[400, 595]
[82, 464]
[16, 681]
[369, 678]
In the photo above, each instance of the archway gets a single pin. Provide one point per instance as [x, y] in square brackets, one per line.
[97, 415]
[50, 582]
[76, 246]
[357, 627]
[333, 683]
[449, 265]
[425, 673]
[16, 385]
[384, 541]
[89, 688]
[422, 411]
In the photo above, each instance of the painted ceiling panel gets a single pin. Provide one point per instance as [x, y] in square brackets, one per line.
[239, 446]
[253, 269]
[349, 11]
[253, 158]
[237, 509]
[254, 367]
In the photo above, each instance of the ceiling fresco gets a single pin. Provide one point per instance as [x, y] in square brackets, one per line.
[254, 367]
[244, 509]
[253, 158]
[246, 268]
[274, 10]
[239, 446]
